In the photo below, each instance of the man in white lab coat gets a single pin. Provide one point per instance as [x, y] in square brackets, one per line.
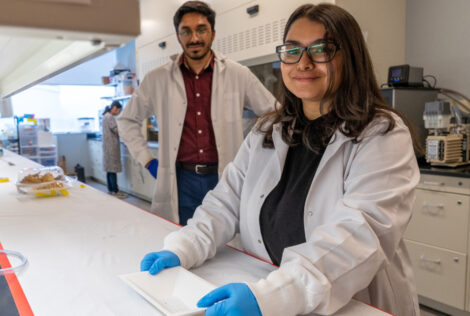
[198, 100]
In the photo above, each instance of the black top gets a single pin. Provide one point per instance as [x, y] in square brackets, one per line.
[282, 214]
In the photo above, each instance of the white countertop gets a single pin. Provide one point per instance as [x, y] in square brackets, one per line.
[77, 245]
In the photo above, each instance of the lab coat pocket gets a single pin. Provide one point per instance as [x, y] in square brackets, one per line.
[232, 107]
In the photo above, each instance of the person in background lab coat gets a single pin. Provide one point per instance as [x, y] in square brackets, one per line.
[198, 100]
[323, 187]
[112, 148]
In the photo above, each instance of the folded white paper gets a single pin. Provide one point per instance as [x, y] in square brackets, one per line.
[174, 291]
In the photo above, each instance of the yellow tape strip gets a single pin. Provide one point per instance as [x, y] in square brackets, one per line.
[41, 194]
[3, 180]
[53, 192]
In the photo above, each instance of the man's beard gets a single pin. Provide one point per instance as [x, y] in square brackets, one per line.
[199, 55]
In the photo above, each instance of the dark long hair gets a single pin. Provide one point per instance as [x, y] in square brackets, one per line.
[355, 103]
[115, 103]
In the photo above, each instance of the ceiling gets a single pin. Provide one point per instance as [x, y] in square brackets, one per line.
[39, 39]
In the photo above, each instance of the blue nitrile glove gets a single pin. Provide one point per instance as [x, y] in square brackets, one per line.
[155, 262]
[236, 299]
[152, 168]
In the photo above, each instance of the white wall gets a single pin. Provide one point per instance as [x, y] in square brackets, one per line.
[62, 104]
[438, 39]
[383, 22]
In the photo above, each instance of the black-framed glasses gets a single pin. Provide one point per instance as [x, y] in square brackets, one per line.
[322, 52]
[199, 33]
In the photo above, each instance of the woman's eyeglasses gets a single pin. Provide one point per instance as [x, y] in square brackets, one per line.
[322, 52]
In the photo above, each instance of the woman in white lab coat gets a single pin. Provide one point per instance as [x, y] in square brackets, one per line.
[112, 148]
[323, 187]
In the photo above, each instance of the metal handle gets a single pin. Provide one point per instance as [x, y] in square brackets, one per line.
[433, 261]
[432, 209]
[434, 183]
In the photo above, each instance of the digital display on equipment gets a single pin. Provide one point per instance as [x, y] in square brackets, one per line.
[396, 72]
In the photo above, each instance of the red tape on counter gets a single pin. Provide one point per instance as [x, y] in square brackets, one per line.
[16, 290]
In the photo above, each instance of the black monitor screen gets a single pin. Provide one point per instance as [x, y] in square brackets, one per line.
[396, 72]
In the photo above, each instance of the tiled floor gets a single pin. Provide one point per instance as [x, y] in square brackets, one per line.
[146, 206]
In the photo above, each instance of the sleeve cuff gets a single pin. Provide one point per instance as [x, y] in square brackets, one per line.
[277, 295]
[145, 156]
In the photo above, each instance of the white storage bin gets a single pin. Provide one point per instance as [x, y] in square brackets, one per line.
[48, 151]
[29, 151]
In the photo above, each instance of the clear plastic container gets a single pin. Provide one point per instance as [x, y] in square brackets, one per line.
[29, 151]
[47, 181]
[15, 259]
[28, 130]
[48, 161]
[47, 150]
[28, 141]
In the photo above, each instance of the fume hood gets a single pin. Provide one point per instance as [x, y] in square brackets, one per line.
[41, 38]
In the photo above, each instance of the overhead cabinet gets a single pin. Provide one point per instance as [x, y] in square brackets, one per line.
[41, 38]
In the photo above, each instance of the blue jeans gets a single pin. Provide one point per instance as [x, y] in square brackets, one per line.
[192, 189]
[111, 178]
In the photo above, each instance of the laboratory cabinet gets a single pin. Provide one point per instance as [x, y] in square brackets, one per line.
[134, 178]
[438, 241]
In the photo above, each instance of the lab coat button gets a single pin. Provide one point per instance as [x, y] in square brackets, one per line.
[259, 241]
[262, 196]
[310, 213]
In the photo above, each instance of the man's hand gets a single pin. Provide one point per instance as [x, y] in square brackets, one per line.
[152, 167]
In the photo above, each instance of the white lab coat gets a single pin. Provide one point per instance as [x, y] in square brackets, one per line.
[162, 93]
[356, 212]
[111, 145]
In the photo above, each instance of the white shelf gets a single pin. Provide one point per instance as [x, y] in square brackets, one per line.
[123, 97]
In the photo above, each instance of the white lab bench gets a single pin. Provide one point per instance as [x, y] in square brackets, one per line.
[77, 245]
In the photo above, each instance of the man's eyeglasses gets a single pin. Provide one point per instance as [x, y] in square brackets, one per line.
[322, 52]
[188, 34]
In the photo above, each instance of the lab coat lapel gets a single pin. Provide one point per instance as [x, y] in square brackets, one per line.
[335, 144]
[281, 149]
[218, 80]
[178, 79]
[267, 180]
[177, 106]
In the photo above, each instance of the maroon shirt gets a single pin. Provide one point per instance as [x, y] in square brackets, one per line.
[197, 145]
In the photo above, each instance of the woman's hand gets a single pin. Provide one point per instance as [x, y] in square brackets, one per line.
[155, 262]
[234, 299]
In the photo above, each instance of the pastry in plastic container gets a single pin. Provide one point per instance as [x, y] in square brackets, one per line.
[47, 181]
